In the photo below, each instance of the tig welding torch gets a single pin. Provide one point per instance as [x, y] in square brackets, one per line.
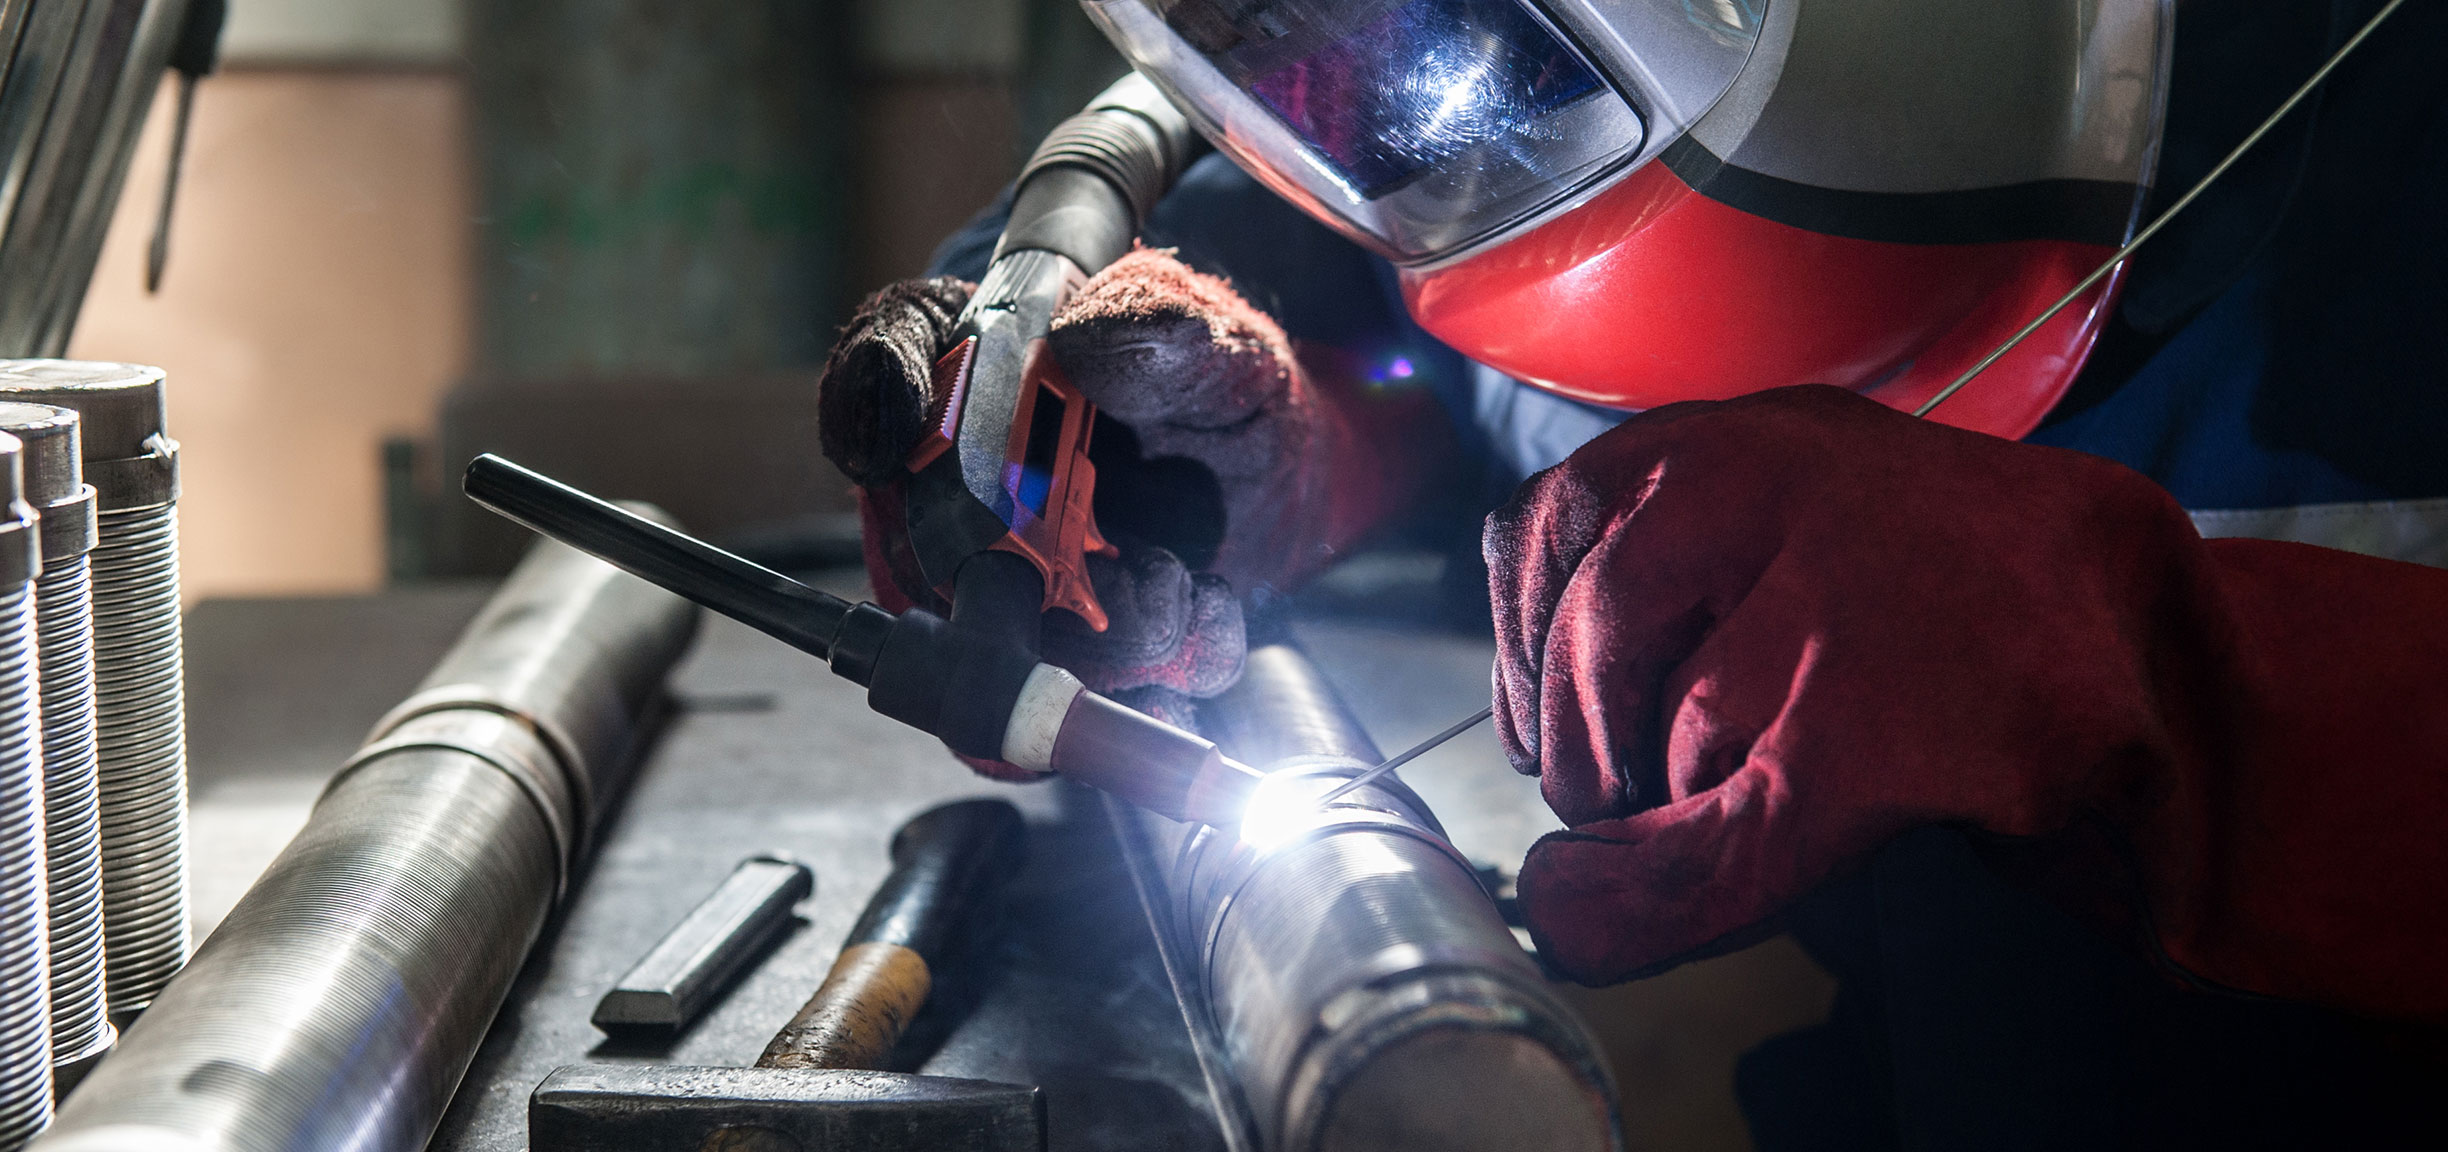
[973, 680]
[999, 499]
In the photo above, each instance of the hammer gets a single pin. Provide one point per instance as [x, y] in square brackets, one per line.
[814, 1089]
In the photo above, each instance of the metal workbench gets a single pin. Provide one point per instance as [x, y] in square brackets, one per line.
[766, 750]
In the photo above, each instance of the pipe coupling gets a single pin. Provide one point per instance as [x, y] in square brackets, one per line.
[513, 743]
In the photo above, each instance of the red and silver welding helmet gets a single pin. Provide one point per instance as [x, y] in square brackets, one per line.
[1632, 202]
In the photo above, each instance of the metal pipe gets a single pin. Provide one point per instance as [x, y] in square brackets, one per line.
[1361, 987]
[140, 718]
[341, 1001]
[25, 996]
[1283, 708]
[72, 831]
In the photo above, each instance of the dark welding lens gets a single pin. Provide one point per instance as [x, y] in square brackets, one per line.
[1411, 86]
[1419, 125]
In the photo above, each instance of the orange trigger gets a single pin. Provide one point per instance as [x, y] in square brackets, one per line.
[1058, 539]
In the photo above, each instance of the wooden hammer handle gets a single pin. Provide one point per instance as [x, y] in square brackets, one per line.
[857, 1014]
[944, 860]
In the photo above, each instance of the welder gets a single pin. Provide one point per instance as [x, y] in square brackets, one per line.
[2111, 831]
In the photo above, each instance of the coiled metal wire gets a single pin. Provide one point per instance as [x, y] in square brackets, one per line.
[25, 1002]
[63, 613]
[140, 728]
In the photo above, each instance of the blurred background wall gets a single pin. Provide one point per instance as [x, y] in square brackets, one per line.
[612, 238]
[316, 296]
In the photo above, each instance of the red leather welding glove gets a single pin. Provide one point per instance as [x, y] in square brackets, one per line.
[1745, 643]
[1228, 463]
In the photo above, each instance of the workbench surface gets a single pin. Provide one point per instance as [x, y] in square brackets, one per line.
[765, 750]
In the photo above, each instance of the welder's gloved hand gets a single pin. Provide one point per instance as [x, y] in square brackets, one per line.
[1254, 459]
[1745, 643]
[1223, 466]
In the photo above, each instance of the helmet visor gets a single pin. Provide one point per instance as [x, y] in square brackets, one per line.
[1416, 126]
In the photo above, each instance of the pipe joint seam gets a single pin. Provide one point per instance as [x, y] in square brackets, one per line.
[508, 742]
[556, 738]
[1215, 866]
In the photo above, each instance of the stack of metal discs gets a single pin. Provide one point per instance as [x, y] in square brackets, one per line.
[63, 608]
[140, 716]
[25, 1000]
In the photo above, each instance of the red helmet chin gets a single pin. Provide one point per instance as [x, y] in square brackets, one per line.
[1652, 293]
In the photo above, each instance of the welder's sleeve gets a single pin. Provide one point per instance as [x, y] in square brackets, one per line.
[1745, 643]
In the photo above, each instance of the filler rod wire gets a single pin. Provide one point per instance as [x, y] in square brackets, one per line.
[2097, 274]
[1417, 750]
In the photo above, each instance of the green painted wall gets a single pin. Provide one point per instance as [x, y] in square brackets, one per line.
[661, 184]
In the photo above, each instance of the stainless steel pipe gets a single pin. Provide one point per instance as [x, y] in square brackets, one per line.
[139, 687]
[63, 628]
[25, 995]
[1361, 986]
[340, 1002]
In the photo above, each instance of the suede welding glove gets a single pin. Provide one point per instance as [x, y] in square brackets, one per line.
[1745, 643]
[1228, 465]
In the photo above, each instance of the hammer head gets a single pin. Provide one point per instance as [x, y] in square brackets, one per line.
[623, 1108]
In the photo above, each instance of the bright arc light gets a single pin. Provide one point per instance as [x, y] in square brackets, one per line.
[1281, 807]
[1461, 89]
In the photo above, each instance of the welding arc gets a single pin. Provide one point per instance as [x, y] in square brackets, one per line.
[2097, 274]
[1417, 750]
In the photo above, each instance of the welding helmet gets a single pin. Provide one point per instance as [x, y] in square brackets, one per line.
[1632, 202]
